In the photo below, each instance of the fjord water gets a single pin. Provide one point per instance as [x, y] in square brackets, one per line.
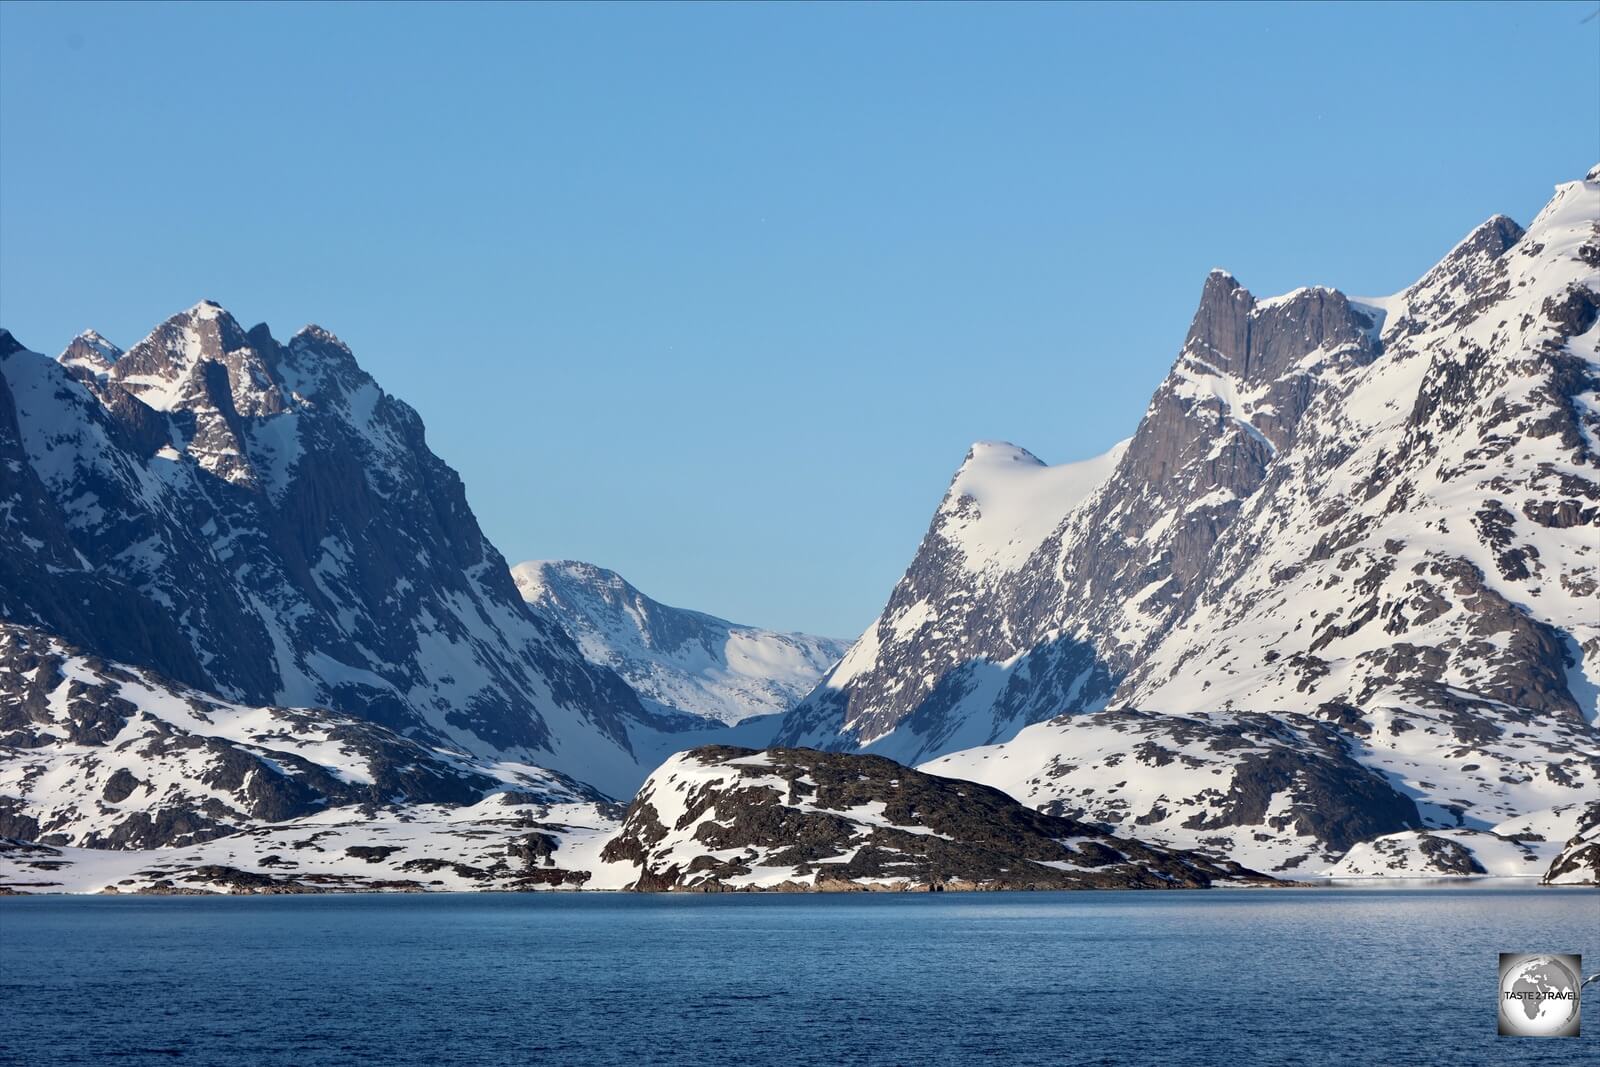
[1308, 976]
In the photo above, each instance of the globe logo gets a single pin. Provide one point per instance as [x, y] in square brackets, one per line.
[1539, 995]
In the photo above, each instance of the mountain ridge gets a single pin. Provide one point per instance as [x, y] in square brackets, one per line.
[1376, 514]
[262, 514]
[686, 661]
[1328, 612]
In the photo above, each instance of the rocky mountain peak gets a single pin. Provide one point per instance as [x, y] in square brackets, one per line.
[1267, 401]
[167, 368]
[317, 364]
[1259, 340]
[1455, 288]
[312, 334]
[90, 351]
[262, 521]
[1036, 586]
[1221, 322]
[1488, 240]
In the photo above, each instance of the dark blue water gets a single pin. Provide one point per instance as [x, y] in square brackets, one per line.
[1319, 976]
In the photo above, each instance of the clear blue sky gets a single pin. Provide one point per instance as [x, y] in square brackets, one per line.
[718, 295]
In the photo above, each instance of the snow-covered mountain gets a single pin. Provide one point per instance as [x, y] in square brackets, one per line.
[683, 661]
[955, 660]
[114, 779]
[1351, 555]
[1334, 608]
[258, 520]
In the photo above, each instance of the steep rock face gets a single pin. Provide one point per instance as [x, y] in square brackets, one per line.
[952, 661]
[1429, 551]
[974, 645]
[261, 521]
[1432, 542]
[90, 355]
[682, 661]
[1375, 517]
[44, 580]
[723, 818]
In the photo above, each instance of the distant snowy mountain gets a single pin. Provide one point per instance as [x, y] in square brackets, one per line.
[1351, 556]
[684, 661]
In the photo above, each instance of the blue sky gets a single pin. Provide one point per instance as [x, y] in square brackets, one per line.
[719, 295]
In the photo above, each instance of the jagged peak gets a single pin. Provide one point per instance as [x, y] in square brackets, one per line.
[534, 574]
[91, 350]
[1223, 292]
[98, 339]
[156, 368]
[207, 309]
[1219, 322]
[1256, 339]
[1594, 174]
[1503, 227]
[260, 336]
[1492, 236]
[1221, 282]
[207, 312]
[205, 319]
[318, 360]
[1487, 242]
[1304, 292]
[314, 334]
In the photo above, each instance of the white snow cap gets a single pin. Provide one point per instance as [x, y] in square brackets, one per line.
[987, 453]
[90, 350]
[207, 309]
[96, 340]
[1005, 501]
